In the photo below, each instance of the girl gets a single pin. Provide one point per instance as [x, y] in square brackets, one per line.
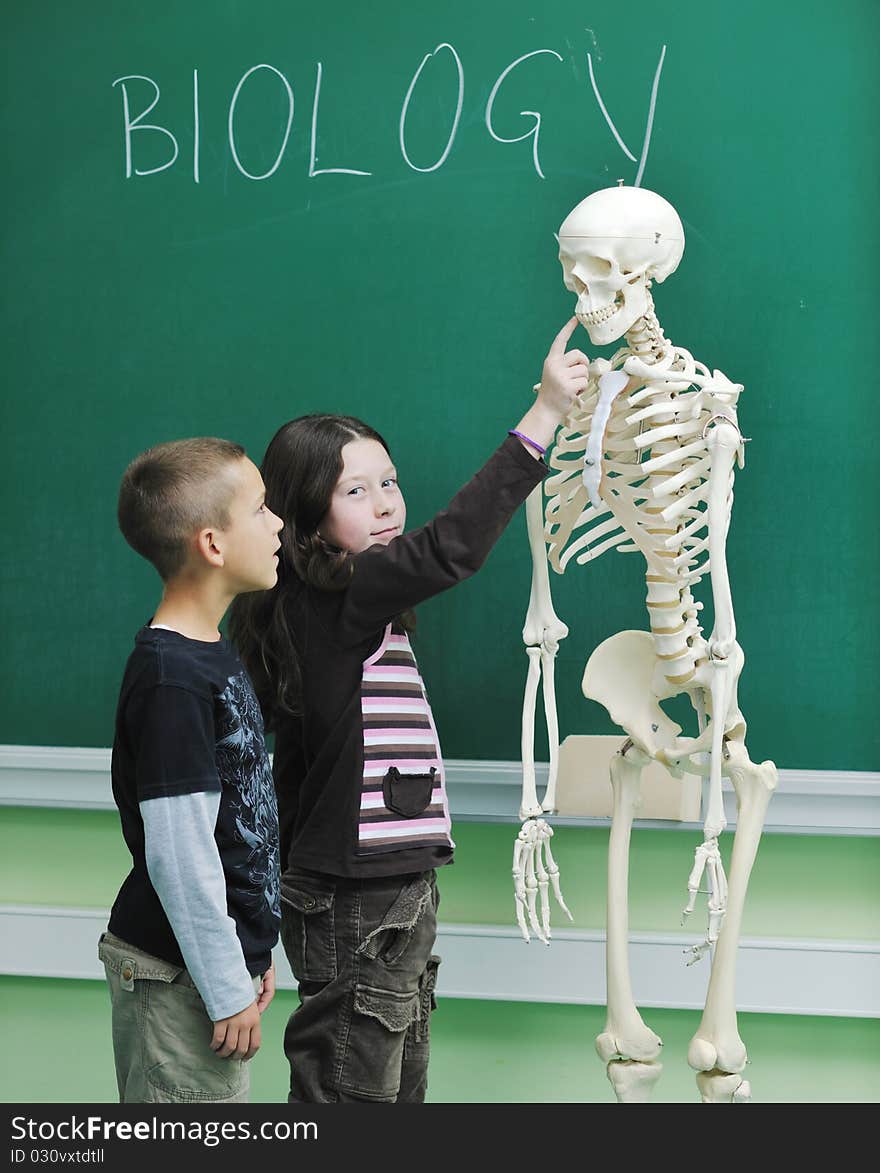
[362, 803]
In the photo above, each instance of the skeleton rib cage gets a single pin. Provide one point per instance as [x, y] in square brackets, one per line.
[655, 472]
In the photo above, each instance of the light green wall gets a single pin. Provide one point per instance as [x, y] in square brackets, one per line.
[802, 886]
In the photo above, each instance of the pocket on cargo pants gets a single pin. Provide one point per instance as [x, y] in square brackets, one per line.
[308, 925]
[398, 932]
[162, 1033]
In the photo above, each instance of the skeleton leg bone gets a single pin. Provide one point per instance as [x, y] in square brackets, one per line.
[716, 1049]
[723, 1089]
[627, 1046]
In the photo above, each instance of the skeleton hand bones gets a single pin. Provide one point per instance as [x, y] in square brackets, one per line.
[534, 870]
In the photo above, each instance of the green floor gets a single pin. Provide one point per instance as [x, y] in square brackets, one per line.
[482, 1052]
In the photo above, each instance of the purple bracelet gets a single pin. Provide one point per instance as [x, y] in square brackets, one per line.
[528, 440]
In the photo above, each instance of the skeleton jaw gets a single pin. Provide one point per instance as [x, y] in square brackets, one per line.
[588, 318]
[607, 322]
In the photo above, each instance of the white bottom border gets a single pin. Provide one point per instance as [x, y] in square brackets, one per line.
[774, 976]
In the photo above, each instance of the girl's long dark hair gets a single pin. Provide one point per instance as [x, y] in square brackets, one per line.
[300, 469]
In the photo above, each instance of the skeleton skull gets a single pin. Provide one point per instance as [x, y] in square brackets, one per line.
[612, 245]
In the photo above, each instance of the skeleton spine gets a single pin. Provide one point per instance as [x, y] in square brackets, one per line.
[671, 608]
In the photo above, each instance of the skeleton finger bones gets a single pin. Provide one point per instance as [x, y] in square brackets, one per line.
[707, 859]
[535, 871]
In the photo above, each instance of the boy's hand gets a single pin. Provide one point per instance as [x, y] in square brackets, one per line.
[565, 373]
[268, 991]
[238, 1037]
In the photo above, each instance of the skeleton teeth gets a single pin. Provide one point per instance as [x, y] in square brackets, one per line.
[596, 317]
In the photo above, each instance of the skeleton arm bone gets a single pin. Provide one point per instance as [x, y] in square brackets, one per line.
[542, 632]
[548, 680]
[529, 807]
[724, 443]
[723, 668]
[564, 378]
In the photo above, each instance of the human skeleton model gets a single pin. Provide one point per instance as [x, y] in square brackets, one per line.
[645, 462]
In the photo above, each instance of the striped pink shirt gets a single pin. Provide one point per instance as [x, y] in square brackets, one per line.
[403, 792]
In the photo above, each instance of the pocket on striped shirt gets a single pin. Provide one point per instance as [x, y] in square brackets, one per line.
[407, 795]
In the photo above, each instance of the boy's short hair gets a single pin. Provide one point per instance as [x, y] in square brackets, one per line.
[173, 490]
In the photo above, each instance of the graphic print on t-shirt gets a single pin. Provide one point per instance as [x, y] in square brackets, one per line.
[399, 738]
[248, 790]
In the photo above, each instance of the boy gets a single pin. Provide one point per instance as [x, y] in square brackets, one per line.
[188, 948]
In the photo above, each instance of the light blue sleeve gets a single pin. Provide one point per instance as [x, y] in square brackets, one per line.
[185, 869]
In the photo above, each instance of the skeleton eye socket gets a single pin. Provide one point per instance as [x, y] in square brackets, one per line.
[596, 267]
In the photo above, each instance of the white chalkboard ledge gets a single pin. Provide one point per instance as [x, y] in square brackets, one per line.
[807, 802]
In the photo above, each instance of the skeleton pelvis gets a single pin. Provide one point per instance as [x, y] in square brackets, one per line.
[619, 675]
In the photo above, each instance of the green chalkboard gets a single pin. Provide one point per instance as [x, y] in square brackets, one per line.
[222, 215]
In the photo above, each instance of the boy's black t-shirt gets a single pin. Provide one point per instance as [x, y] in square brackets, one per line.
[188, 721]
